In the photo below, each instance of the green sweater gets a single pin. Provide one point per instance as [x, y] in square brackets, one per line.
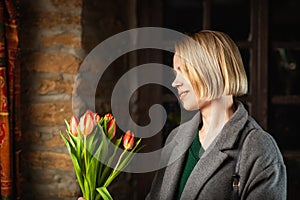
[194, 153]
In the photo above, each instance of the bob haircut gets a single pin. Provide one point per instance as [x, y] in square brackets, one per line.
[212, 64]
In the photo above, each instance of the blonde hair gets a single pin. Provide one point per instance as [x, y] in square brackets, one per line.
[213, 65]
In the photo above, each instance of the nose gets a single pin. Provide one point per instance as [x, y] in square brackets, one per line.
[176, 83]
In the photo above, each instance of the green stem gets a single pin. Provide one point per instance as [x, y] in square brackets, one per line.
[84, 151]
[118, 163]
[109, 180]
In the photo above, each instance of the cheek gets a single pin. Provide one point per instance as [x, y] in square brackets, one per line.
[191, 102]
[194, 98]
[186, 83]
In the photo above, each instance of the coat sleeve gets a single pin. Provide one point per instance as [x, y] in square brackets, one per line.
[264, 170]
[269, 184]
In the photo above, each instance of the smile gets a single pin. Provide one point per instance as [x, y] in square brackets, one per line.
[182, 94]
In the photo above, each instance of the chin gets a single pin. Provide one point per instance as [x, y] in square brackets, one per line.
[190, 107]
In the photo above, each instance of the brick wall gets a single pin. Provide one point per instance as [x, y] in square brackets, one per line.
[55, 36]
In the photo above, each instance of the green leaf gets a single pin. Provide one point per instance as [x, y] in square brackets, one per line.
[66, 141]
[105, 145]
[97, 155]
[129, 155]
[136, 148]
[92, 171]
[77, 168]
[107, 168]
[71, 138]
[79, 146]
[98, 196]
[92, 141]
[75, 161]
[104, 193]
[68, 125]
[105, 126]
[78, 172]
[122, 163]
[86, 193]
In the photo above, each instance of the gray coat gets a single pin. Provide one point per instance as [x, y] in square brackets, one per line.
[262, 170]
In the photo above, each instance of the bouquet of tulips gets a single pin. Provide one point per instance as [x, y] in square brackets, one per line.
[87, 141]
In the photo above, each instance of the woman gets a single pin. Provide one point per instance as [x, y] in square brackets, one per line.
[227, 155]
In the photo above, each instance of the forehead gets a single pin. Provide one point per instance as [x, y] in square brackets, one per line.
[177, 60]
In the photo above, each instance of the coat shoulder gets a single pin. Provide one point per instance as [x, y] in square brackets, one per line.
[262, 147]
[261, 166]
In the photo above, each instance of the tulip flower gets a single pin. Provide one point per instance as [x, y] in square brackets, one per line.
[74, 126]
[97, 118]
[86, 141]
[87, 123]
[110, 122]
[128, 140]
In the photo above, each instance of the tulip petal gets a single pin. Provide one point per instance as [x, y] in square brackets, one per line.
[87, 123]
[128, 140]
[74, 122]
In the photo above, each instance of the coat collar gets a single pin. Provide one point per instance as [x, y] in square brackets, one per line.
[181, 139]
[229, 135]
[212, 158]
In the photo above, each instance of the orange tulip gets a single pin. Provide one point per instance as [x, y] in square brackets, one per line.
[128, 140]
[110, 125]
[87, 123]
[97, 118]
[74, 125]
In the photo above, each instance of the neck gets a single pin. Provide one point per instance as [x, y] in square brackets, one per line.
[214, 116]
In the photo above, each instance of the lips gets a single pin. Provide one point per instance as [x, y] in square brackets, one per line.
[182, 94]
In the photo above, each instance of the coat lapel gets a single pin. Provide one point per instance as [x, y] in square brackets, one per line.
[210, 161]
[214, 156]
[183, 139]
[203, 170]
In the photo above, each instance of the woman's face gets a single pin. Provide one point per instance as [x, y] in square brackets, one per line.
[182, 84]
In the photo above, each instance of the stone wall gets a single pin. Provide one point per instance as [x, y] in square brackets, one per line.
[55, 37]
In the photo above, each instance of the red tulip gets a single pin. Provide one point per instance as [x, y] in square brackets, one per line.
[128, 140]
[110, 125]
[74, 125]
[97, 118]
[87, 123]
